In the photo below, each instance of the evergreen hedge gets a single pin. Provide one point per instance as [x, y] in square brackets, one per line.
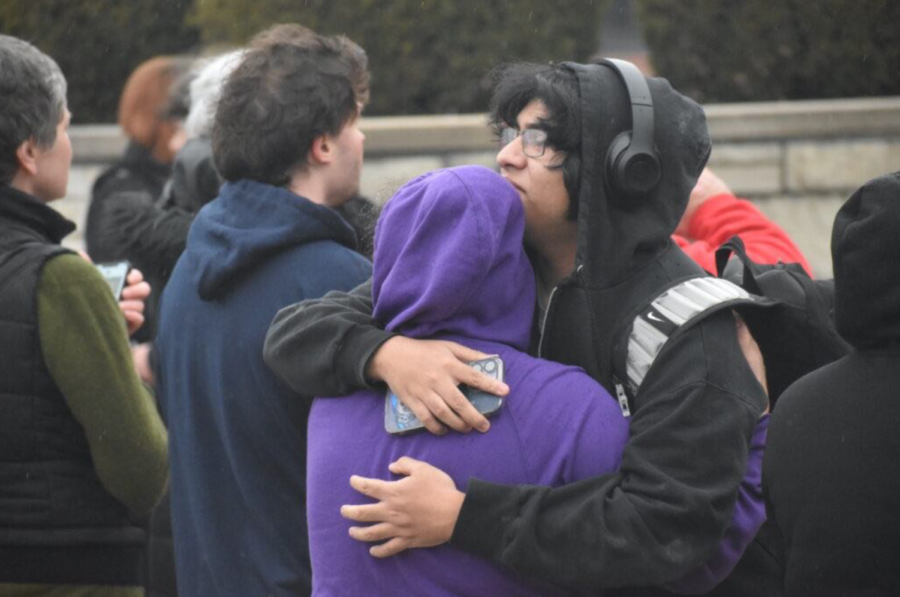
[97, 43]
[751, 50]
[436, 56]
[425, 56]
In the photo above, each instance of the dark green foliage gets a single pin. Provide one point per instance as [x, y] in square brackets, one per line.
[97, 43]
[741, 50]
[426, 56]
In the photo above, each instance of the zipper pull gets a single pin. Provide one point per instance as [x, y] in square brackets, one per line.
[623, 400]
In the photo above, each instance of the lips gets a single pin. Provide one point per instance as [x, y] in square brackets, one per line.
[514, 185]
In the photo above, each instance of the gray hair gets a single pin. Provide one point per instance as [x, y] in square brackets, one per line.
[205, 91]
[32, 100]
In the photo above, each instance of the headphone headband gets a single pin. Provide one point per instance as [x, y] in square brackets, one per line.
[632, 164]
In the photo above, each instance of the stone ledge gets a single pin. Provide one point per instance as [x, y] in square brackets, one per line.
[878, 117]
[838, 165]
[446, 134]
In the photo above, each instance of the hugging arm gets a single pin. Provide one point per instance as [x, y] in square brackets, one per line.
[321, 346]
[333, 346]
[665, 512]
[658, 519]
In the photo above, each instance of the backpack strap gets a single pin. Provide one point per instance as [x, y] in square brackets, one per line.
[673, 311]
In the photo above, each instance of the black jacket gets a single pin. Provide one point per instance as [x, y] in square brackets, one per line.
[58, 524]
[665, 512]
[831, 474]
[136, 174]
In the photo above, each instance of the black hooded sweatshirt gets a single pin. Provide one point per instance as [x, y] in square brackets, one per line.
[665, 511]
[831, 473]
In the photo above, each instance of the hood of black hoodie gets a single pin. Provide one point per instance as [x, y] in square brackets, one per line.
[247, 224]
[865, 250]
[626, 256]
[618, 235]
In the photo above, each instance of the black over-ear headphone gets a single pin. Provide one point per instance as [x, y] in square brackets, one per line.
[632, 166]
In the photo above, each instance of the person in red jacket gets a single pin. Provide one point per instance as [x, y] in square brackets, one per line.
[714, 215]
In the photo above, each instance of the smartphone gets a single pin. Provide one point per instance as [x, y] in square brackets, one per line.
[115, 274]
[399, 420]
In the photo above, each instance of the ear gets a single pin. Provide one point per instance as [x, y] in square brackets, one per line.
[27, 154]
[322, 150]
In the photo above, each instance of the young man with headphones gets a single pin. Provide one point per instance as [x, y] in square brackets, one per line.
[604, 161]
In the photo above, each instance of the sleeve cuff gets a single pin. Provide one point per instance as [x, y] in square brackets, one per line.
[486, 523]
[358, 347]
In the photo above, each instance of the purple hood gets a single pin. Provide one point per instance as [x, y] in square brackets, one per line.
[467, 224]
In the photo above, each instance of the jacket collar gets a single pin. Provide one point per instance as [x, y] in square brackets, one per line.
[31, 212]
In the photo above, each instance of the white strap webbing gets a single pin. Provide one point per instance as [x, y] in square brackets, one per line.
[672, 309]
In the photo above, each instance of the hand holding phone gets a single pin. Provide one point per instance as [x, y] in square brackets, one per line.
[400, 420]
[115, 274]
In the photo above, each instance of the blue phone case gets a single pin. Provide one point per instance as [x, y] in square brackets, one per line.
[399, 420]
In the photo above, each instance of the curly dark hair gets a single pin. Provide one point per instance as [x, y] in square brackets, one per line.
[519, 84]
[291, 86]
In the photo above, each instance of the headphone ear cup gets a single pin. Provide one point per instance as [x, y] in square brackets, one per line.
[634, 173]
[614, 156]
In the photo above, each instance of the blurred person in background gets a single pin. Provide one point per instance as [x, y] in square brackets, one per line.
[831, 477]
[152, 106]
[82, 448]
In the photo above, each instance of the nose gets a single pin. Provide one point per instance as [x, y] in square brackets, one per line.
[511, 155]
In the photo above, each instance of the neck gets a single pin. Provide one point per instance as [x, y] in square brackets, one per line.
[309, 187]
[25, 184]
[554, 263]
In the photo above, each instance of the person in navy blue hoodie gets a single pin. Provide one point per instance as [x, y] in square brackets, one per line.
[286, 141]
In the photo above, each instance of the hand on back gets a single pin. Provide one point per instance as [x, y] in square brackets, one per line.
[426, 374]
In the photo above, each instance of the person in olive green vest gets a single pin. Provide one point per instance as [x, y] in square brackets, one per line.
[82, 448]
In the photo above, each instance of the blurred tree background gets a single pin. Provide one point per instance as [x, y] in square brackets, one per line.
[426, 56]
[752, 50]
[97, 43]
[436, 56]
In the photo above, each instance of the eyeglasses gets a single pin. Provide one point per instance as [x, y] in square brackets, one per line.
[533, 140]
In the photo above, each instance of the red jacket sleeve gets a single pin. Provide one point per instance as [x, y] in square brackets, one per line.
[723, 216]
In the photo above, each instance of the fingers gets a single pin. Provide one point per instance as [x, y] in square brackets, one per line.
[133, 321]
[439, 409]
[463, 410]
[365, 512]
[374, 488]
[376, 532]
[134, 277]
[476, 379]
[464, 353]
[392, 547]
[424, 414]
[405, 465]
[380, 532]
[131, 306]
[136, 291]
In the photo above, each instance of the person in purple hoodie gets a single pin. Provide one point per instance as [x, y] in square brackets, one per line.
[450, 264]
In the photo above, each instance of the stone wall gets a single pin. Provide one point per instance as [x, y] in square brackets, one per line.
[797, 160]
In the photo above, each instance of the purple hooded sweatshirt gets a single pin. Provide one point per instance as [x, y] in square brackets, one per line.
[449, 264]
